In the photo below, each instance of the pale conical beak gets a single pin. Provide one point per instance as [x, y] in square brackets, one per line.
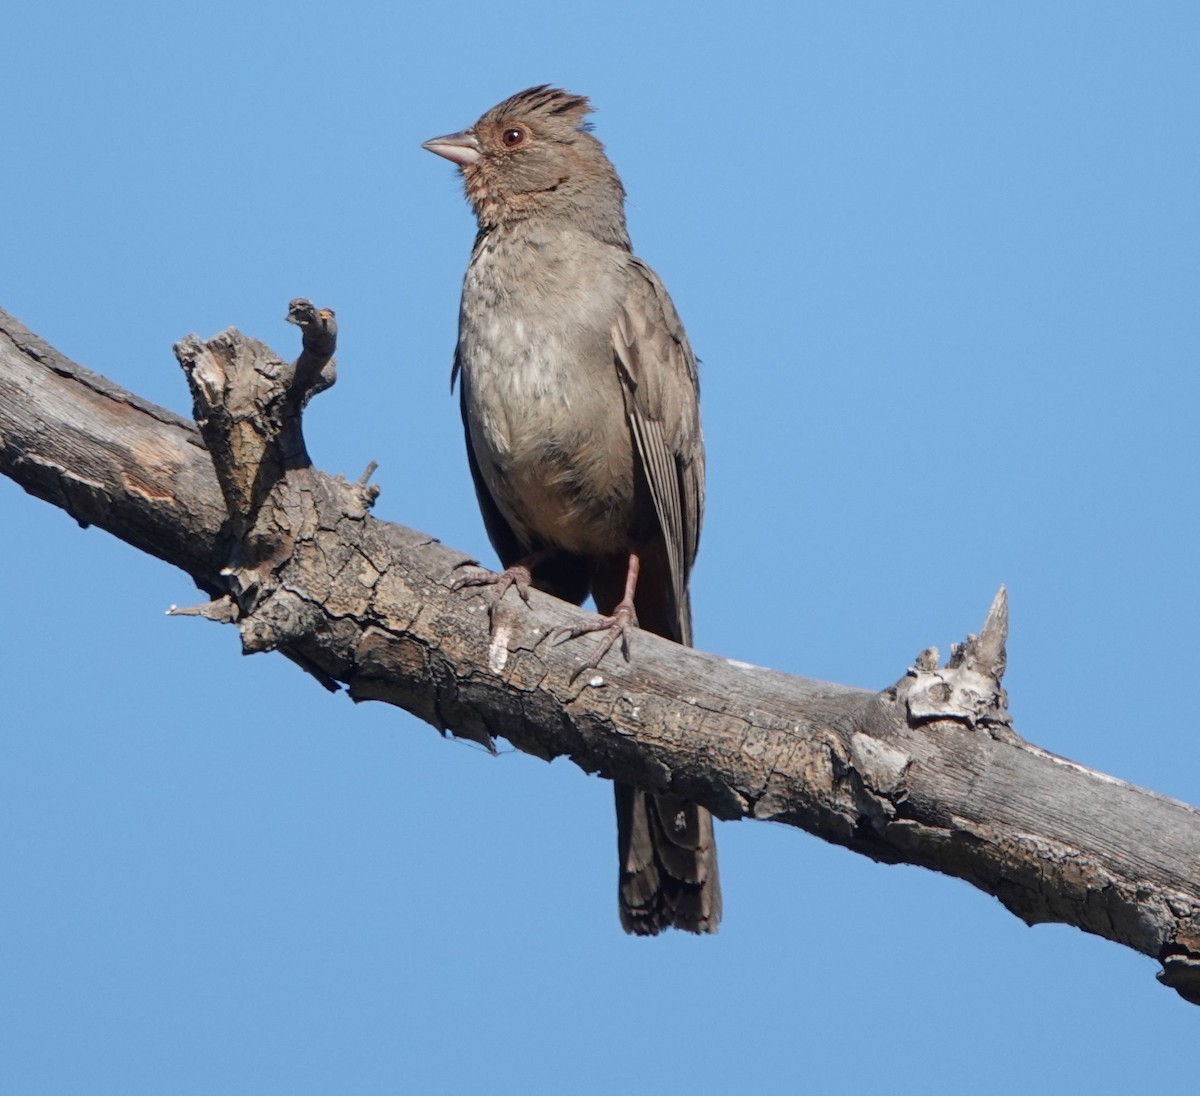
[461, 148]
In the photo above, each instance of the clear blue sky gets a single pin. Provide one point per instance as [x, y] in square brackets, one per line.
[942, 265]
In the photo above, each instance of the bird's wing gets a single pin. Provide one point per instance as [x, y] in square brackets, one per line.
[662, 400]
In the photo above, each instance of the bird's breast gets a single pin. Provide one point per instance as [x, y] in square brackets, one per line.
[544, 407]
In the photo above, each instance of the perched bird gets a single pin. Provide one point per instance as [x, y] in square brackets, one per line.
[581, 408]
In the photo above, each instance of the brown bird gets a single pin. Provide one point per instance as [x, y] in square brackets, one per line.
[580, 402]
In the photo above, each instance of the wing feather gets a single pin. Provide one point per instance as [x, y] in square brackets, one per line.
[659, 375]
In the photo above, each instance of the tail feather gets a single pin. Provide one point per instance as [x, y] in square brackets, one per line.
[669, 873]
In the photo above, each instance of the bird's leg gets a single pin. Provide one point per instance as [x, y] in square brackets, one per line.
[618, 624]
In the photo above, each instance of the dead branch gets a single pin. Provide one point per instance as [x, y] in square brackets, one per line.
[927, 772]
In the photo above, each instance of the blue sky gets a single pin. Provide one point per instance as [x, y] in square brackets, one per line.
[940, 263]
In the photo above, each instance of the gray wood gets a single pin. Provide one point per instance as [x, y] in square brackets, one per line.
[927, 772]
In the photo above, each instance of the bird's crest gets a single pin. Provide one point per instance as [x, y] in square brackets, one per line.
[545, 102]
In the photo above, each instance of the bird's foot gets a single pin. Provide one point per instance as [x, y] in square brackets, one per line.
[519, 575]
[617, 628]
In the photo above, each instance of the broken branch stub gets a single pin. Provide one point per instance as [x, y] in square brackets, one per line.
[967, 689]
[248, 405]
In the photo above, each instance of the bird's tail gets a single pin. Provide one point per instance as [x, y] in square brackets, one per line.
[668, 864]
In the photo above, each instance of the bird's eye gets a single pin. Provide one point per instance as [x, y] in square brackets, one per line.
[512, 137]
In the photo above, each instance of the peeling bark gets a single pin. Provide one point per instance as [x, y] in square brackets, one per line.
[927, 772]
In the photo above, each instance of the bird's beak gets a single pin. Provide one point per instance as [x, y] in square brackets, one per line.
[461, 148]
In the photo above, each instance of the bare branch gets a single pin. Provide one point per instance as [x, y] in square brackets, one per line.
[928, 772]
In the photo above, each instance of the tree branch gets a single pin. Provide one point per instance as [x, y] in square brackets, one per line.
[927, 772]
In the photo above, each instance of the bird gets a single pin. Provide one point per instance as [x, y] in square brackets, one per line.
[579, 397]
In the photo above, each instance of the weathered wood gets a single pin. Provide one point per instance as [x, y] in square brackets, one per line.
[927, 772]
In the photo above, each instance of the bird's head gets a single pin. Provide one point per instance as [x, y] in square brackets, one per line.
[531, 156]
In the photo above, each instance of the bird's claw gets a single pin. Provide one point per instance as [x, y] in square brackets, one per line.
[618, 626]
[517, 575]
